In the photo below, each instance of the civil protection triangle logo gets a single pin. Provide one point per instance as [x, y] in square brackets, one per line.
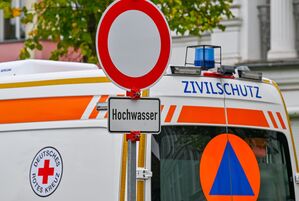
[46, 171]
[229, 170]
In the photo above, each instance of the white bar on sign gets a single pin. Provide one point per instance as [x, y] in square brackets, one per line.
[126, 115]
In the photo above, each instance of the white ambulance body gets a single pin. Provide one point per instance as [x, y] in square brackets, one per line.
[55, 146]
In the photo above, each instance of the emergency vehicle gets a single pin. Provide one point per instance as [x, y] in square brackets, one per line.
[55, 146]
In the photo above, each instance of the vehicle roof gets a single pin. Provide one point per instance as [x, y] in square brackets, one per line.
[31, 66]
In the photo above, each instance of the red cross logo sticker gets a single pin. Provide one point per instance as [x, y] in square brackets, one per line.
[46, 171]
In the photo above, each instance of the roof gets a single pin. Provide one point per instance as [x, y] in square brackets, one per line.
[30, 66]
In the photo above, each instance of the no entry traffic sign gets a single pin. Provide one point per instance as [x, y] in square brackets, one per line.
[133, 43]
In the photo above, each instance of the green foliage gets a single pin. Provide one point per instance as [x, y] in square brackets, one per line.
[195, 16]
[73, 23]
[5, 6]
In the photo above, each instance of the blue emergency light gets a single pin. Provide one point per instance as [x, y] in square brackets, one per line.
[205, 59]
[204, 56]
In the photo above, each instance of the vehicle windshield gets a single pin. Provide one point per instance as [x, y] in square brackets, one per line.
[177, 151]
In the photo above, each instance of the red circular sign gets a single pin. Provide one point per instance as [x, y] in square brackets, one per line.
[229, 170]
[130, 10]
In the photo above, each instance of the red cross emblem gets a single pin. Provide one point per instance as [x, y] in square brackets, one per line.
[46, 171]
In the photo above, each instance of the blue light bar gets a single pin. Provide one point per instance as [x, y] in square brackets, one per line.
[204, 57]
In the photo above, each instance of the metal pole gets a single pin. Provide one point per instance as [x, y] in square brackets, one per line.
[132, 138]
[131, 171]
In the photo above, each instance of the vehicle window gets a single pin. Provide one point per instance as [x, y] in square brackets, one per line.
[177, 151]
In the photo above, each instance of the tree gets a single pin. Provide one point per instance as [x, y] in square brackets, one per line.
[73, 23]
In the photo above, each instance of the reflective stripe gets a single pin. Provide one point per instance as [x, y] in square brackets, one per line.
[170, 113]
[161, 107]
[281, 120]
[216, 115]
[43, 109]
[272, 119]
[247, 117]
[84, 107]
[90, 107]
[211, 115]
[100, 114]
[106, 115]
[94, 111]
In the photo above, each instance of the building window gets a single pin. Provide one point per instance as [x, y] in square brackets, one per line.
[12, 29]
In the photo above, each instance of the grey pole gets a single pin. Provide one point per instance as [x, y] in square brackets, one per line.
[132, 138]
[131, 195]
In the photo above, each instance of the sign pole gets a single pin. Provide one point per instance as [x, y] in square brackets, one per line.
[151, 61]
[132, 138]
[131, 171]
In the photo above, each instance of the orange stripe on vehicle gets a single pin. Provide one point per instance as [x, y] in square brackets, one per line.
[103, 98]
[170, 113]
[94, 113]
[161, 107]
[247, 117]
[43, 109]
[281, 120]
[272, 119]
[120, 95]
[106, 115]
[200, 114]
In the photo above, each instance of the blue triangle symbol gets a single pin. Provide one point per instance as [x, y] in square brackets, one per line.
[230, 178]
